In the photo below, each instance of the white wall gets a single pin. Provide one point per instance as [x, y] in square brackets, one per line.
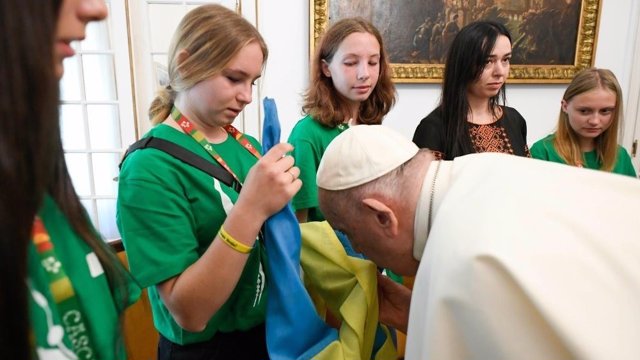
[285, 26]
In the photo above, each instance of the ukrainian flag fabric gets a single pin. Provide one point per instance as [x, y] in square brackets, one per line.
[343, 279]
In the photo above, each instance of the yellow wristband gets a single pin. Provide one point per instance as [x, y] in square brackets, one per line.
[233, 243]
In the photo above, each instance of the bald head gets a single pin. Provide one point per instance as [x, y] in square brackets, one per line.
[369, 182]
[378, 216]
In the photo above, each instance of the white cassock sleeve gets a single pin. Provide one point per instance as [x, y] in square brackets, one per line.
[529, 260]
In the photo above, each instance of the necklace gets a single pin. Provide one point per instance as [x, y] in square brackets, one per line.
[424, 210]
[432, 195]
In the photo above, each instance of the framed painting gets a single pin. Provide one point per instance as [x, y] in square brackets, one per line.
[552, 39]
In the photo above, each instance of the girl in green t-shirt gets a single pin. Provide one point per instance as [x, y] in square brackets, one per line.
[588, 124]
[350, 84]
[191, 239]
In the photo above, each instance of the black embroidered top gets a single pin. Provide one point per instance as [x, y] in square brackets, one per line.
[506, 135]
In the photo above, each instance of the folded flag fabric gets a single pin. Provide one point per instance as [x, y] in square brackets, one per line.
[347, 284]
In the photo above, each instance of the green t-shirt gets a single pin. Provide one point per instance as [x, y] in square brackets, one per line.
[310, 140]
[544, 149]
[168, 214]
[101, 307]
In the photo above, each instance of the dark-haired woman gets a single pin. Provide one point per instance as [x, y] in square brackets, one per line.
[63, 290]
[472, 116]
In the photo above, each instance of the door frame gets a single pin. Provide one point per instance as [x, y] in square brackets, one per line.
[632, 111]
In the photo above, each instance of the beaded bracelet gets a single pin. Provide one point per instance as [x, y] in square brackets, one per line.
[233, 243]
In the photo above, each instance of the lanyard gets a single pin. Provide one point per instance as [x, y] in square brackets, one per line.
[72, 317]
[197, 135]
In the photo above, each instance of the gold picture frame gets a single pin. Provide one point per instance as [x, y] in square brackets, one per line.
[534, 29]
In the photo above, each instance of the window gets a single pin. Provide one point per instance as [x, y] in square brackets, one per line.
[97, 116]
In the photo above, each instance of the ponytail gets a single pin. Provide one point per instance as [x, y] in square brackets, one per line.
[210, 35]
[161, 106]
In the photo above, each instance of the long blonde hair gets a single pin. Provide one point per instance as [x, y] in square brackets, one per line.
[606, 144]
[211, 35]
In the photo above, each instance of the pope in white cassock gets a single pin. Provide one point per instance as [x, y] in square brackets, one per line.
[515, 258]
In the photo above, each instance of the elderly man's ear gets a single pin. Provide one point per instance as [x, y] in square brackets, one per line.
[384, 216]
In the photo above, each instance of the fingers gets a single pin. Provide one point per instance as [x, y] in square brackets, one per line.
[294, 172]
[278, 152]
[387, 285]
[278, 160]
[384, 283]
[280, 163]
[272, 181]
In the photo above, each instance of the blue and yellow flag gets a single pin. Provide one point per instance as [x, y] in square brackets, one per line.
[343, 279]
